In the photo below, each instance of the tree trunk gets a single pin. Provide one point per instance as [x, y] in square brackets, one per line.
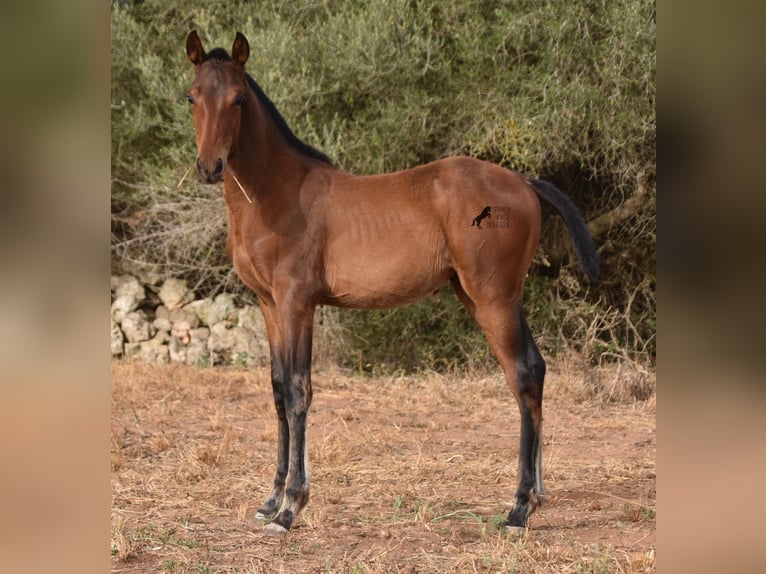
[622, 212]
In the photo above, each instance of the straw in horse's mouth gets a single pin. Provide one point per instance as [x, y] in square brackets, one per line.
[178, 185]
[231, 173]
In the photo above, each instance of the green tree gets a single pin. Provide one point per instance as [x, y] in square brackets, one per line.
[556, 89]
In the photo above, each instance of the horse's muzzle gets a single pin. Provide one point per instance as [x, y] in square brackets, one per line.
[210, 173]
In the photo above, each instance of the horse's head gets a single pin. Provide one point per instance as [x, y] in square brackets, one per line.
[216, 96]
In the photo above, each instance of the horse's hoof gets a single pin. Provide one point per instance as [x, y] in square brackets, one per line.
[274, 529]
[515, 530]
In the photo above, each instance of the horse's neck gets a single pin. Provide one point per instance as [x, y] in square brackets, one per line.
[261, 157]
[259, 145]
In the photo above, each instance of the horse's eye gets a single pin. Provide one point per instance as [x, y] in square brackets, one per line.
[239, 100]
[189, 98]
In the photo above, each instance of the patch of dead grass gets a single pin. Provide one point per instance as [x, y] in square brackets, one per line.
[622, 383]
[409, 474]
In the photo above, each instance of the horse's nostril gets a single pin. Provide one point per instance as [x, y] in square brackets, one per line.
[210, 172]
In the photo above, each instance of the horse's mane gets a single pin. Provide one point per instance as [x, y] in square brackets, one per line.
[272, 111]
[281, 124]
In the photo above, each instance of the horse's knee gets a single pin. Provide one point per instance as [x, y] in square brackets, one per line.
[297, 393]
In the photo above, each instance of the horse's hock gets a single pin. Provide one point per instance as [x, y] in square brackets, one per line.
[165, 323]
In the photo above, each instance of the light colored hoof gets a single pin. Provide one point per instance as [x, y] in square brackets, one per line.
[273, 529]
[515, 530]
[260, 518]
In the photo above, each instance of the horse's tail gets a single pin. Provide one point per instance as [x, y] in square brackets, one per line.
[581, 237]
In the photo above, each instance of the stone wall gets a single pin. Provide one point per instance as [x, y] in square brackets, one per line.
[163, 323]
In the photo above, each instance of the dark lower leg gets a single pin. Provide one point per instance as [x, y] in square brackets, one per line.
[274, 500]
[529, 493]
[276, 348]
[296, 490]
[296, 493]
[530, 378]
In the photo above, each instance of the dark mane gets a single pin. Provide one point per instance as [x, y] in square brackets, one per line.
[281, 124]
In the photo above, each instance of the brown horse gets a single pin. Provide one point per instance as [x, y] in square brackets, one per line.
[304, 233]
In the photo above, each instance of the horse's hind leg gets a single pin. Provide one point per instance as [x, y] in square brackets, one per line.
[509, 337]
[530, 376]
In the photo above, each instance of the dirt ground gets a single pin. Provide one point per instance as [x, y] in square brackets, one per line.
[408, 474]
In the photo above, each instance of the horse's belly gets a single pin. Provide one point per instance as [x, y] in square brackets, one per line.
[384, 279]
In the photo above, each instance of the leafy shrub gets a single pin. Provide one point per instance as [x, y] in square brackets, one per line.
[560, 90]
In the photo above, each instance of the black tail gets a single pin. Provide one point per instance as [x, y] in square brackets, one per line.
[581, 237]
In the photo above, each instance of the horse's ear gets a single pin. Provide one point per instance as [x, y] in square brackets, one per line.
[194, 48]
[241, 50]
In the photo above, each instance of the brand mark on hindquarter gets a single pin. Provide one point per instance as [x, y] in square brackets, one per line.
[486, 212]
[499, 218]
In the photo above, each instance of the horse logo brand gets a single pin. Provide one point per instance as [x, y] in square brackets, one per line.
[499, 218]
[486, 212]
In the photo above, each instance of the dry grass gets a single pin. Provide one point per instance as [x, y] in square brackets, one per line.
[408, 474]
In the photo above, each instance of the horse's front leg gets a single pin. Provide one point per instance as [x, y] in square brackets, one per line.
[274, 500]
[297, 330]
